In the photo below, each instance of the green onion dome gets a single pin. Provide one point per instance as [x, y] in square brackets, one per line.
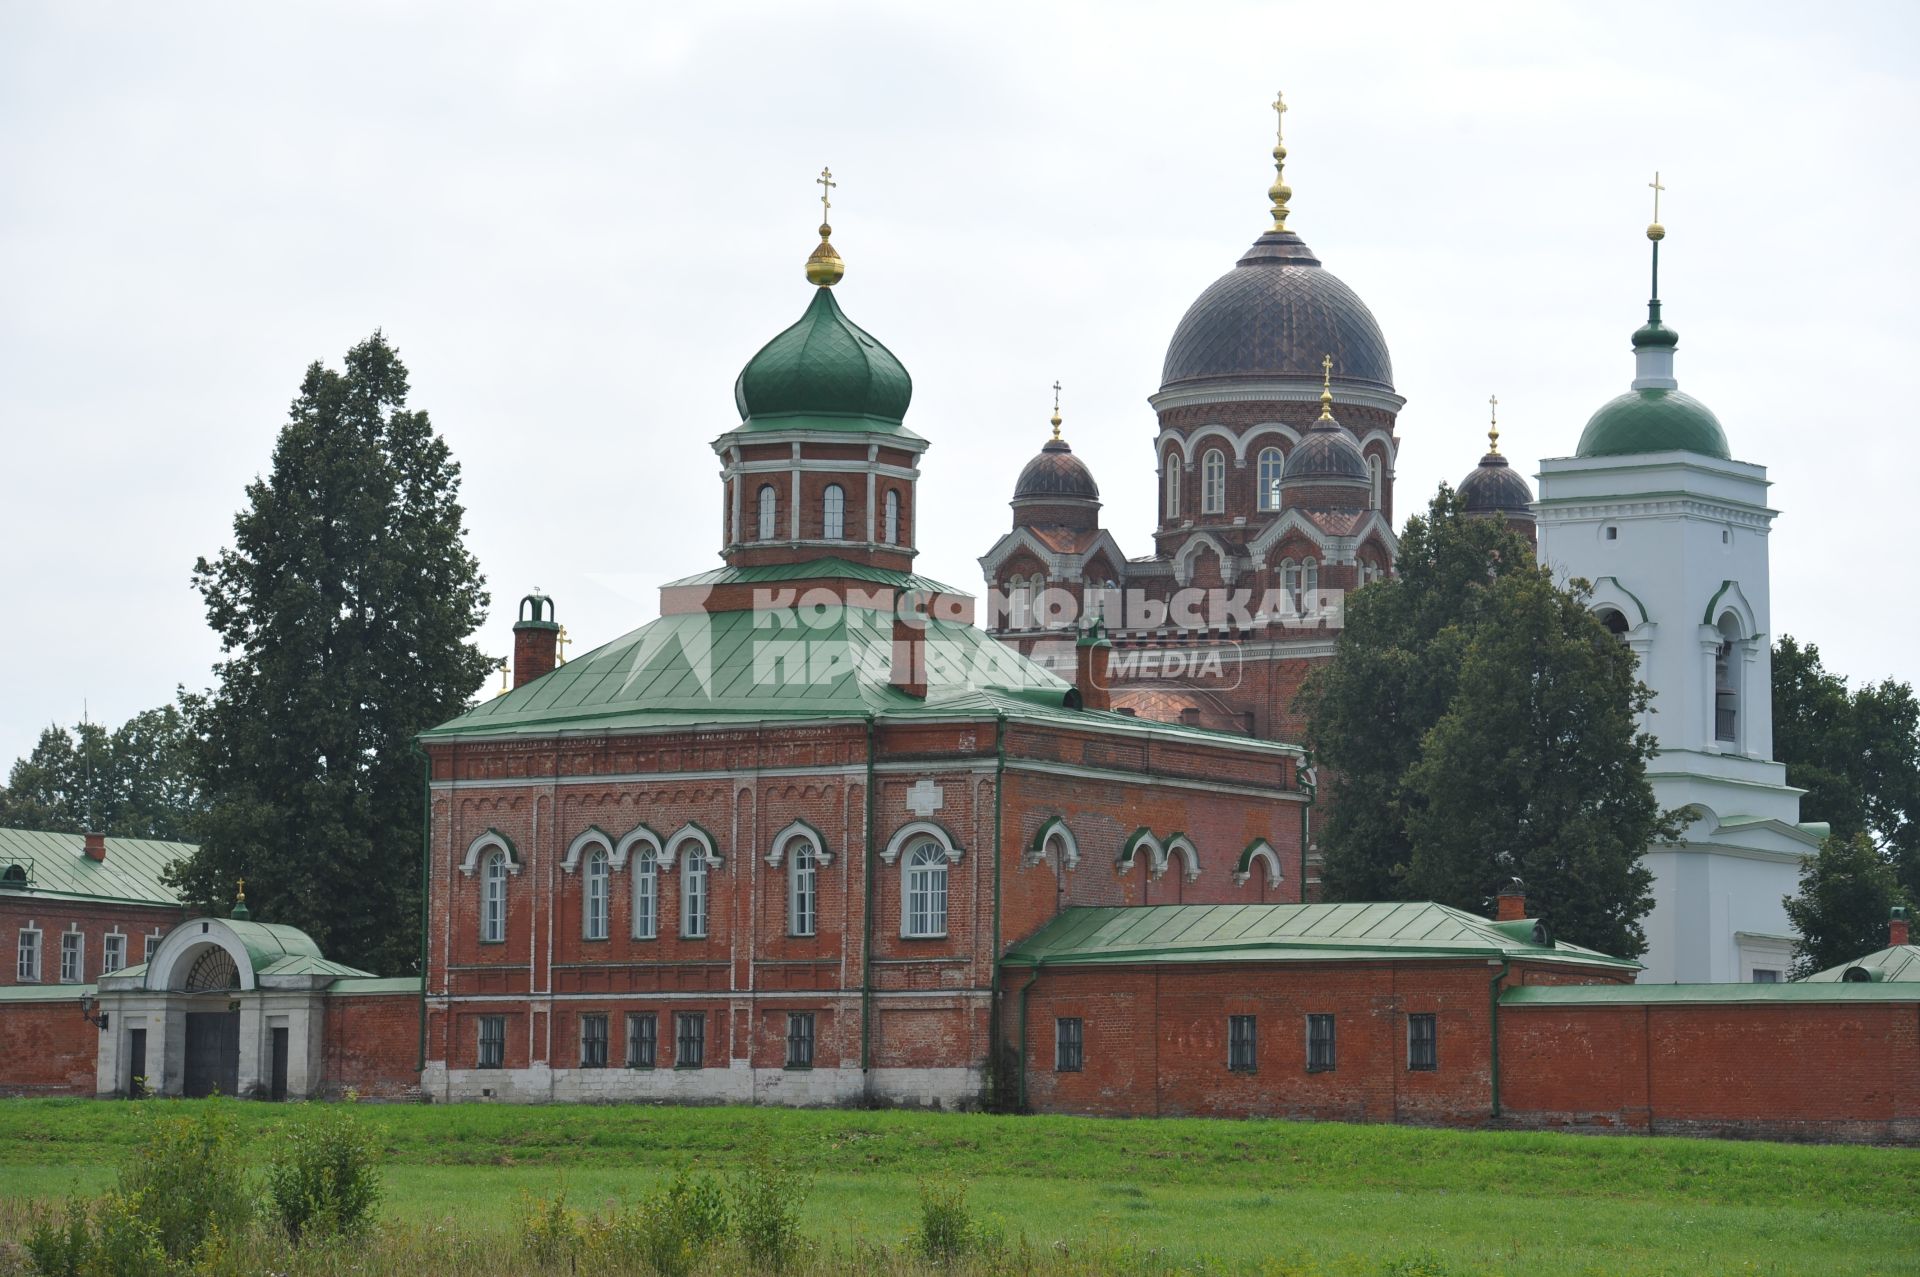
[1653, 419]
[825, 372]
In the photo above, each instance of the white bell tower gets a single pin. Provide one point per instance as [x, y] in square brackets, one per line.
[1671, 532]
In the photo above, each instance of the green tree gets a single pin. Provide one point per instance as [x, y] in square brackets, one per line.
[1855, 752]
[1847, 891]
[346, 606]
[135, 782]
[1479, 724]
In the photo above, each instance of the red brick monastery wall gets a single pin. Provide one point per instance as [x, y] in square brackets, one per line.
[46, 1049]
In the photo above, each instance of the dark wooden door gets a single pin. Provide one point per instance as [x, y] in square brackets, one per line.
[136, 1062]
[213, 1053]
[279, 1064]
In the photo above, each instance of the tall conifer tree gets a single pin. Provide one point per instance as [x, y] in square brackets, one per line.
[346, 606]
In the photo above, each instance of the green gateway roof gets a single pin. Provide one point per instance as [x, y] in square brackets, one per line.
[1285, 933]
[58, 867]
[1900, 963]
[812, 570]
[824, 373]
[724, 669]
[1633, 995]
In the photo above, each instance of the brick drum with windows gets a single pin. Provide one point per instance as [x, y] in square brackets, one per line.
[771, 845]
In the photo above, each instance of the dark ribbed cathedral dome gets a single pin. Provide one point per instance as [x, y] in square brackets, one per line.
[1495, 487]
[1056, 473]
[1277, 313]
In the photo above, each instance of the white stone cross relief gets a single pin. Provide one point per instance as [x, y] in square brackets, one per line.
[925, 798]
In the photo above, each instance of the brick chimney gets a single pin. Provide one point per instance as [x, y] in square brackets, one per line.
[94, 847]
[1511, 904]
[909, 669]
[536, 639]
[1090, 657]
[1897, 927]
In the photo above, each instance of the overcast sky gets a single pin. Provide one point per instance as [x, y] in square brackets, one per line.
[576, 222]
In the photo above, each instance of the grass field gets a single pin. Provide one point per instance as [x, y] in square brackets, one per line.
[1156, 1195]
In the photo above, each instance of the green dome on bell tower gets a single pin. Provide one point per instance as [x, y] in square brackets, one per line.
[1653, 416]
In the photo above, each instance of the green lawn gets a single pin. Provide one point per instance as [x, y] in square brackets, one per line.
[1223, 1196]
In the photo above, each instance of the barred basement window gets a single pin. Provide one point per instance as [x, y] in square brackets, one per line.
[493, 1041]
[73, 958]
[643, 1039]
[1069, 1043]
[113, 954]
[799, 1039]
[593, 1041]
[1242, 1044]
[29, 965]
[690, 1040]
[1423, 1043]
[1320, 1052]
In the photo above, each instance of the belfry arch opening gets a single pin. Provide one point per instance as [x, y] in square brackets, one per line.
[1726, 681]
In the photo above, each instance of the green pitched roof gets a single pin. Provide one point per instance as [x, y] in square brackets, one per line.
[1900, 963]
[1653, 420]
[824, 373]
[1284, 933]
[1655, 994]
[131, 871]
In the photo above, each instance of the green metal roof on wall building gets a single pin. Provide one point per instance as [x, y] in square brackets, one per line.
[1900, 963]
[814, 570]
[786, 665]
[1633, 995]
[60, 869]
[1286, 933]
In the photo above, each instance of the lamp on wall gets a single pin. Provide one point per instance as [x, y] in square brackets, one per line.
[87, 1005]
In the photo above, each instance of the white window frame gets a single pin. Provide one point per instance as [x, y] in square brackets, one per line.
[28, 955]
[150, 942]
[493, 897]
[1170, 480]
[695, 895]
[1309, 583]
[923, 891]
[893, 516]
[646, 892]
[1273, 464]
[113, 952]
[767, 513]
[803, 887]
[1213, 482]
[833, 512]
[596, 895]
[73, 957]
[1374, 473]
[1290, 584]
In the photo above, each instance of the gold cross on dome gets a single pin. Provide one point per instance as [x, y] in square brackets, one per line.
[1056, 410]
[1279, 116]
[827, 184]
[240, 888]
[1657, 188]
[1493, 423]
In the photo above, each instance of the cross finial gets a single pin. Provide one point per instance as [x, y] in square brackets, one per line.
[240, 890]
[1326, 388]
[1056, 410]
[1493, 423]
[1279, 192]
[1655, 186]
[826, 191]
[561, 641]
[824, 268]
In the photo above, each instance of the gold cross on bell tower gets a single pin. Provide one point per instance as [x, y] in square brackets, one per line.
[1655, 186]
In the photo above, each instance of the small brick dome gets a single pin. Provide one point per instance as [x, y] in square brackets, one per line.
[1495, 487]
[1328, 454]
[1056, 474]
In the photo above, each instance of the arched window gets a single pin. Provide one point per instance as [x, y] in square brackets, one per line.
[925, 897]
[493, 897]
[693, 895]
[1172, 481]
[1213, 482]
[1272, 464]
[769, 508]
[594, 914]
[1309, 583]
[1290, 583]
[1373, 475]
[1036, 600]
[646, 893]
[1726, 682]
[1616, 623]
[833, 507]
[893, 517]
[803, 887]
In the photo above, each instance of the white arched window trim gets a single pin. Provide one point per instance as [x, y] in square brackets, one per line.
[493, 897]
[694, 841]
[1182, 846]
[1258, 851]
[1170, 479]
[916, 830]
[1272, 464]
[486, 842]
[591, 836]
[1054, 831]
[924, 889]
[1213, 482]
[798, 829]
[646, 890]
[639, 838]
[1142, 839]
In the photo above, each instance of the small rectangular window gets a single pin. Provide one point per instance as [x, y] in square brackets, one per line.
[113, 954]
[643, 1039]
[73, 961]
[800, 1039]
[690, 1039]
[1243, 1050]
[1423, 1043]
[1320, 1046]
[593, 1041]
[1764, 975]
[493, 1041]
[28, 968]
[148, 945]
[1613, 534]
[1069, 1044]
